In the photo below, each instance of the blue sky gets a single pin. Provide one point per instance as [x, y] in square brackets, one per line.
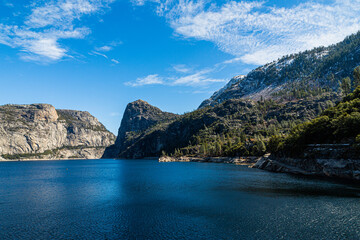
[98, 55]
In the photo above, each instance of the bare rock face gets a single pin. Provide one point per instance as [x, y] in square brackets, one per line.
[138, 117]
[39, 131]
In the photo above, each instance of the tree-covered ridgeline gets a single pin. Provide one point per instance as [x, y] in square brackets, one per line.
[339, 124]
[336, 124]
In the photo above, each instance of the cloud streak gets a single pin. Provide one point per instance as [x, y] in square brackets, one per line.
[251, 31]
[153, 79]
[256, 33]
[39, 36]
[197, 79]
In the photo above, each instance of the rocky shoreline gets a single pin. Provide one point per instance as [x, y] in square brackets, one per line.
[249, 161]
[346, 169]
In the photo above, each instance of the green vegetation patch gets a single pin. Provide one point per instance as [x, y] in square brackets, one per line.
[27, 155]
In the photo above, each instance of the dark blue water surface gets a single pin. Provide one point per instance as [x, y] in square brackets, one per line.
[144, 199]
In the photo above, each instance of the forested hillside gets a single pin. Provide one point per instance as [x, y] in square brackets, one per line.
[336, 125]
[295, 76]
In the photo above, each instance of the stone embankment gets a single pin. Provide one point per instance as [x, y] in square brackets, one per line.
[348, 169]
[233, 160]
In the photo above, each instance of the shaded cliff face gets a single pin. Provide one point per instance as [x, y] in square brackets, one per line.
[138, 117]
[318, 68]
[39, 131]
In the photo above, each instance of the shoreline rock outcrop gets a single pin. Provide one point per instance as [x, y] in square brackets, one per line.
[346, 169]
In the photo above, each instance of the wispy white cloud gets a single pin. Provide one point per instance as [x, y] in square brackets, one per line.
[104, 48]
[153, 79]
[115, 61]
[9, 4]
[256, 33]
[182, 68]
[197, 79]
[104, 51]
[38, 37]
[61, 13]
[98, 54]
[108, 47]
[232, 60]
[142, 2]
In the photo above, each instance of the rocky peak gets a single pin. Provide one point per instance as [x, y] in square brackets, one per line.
[233, 81]
[30, 112]
[140, 115]
[80, 117]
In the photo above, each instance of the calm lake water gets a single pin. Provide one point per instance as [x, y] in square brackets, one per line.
[144, 199]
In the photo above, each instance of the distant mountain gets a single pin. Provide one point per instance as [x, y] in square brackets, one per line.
[39, 131]
[295, 75]
[138, 117]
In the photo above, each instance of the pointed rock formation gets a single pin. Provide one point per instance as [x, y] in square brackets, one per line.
[138, 116]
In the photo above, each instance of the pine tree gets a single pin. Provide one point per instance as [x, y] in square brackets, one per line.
[229, 144]
[243, 137]
[356, 75]
[261, 146]
[203, 149]
[345, 86]
[319, 108]
[218, 148]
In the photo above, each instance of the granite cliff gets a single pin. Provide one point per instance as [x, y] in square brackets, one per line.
[39, 131]
[138, 117]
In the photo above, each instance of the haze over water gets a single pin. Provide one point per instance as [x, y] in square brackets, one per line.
[143, 199]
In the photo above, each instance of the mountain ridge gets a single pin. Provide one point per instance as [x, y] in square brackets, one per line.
[320, 67]
[39, 131]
